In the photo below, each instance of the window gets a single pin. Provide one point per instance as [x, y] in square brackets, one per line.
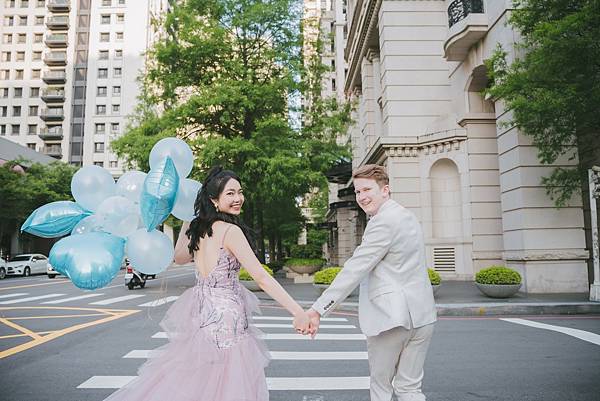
[116, 91]
[114, 128]
[102, 72]
[118, 53]
[9, 3]
[24, 3]
[6, 56]
[82, 38]
[83, 21]
[98, 147]
[3, 92]
[18, 74]
[99, 164]
[22, 20]
[39, 20]
[4, 74]
[80, 74]
[104, 37]
[36, 56]
[15, 129]
[120, 18]
[20, 56]
[31, 146]
[3, 129]
[103, 55]
[7, 38]
[106, 3]
[101, 109]
[32, 130]
[78, 111]
[81, 56]
[113, 164]
[119, 35]
[37, 38]
[121, 2]
[117, 72]
[33, 110]
[101, 91]
[40, 3]
[9, 20]
[36, 74]
[34, 92]
[16, 111]
[77, 130]
[79, 92]
[100, 128]
[22, 38]
[84, 4]
[105, 19]
[3, 111]
[116, 108]
[18, 92]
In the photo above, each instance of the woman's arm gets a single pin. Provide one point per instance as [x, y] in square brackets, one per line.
[182, 252]
[236, 242]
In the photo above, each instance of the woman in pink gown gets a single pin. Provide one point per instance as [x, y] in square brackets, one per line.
[213, 354]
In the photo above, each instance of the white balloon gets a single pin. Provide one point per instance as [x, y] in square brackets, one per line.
[178, 150]
[89, 224]
[149, 252]
[120, 215]
[130, 185]
[91, 185]
[186, 197]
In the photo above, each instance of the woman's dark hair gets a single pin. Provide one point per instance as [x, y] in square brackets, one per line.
[205, 212]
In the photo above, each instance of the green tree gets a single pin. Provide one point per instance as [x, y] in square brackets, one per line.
[224, 78]
[553, 89]
[23, 192]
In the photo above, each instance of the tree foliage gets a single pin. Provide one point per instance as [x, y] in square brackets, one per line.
[553, 89]
[223, 80]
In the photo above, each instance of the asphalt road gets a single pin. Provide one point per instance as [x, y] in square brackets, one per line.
[68, 348]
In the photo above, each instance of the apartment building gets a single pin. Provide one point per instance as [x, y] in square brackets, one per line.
[416, 72]
[68, 75]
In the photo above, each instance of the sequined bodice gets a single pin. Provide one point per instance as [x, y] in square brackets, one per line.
[221, 307]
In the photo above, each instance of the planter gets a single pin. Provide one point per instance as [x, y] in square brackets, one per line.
[320, 288]
[499, 290]
[304, 269]
[251, 285]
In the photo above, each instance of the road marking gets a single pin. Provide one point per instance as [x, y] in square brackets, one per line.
[16, 301]
[580, 334]
[20, 294]
[161, 301]
[60, 301]
[289, 326]
[22, 329]
[115, 300]
[349, 337]
[275, 355]
[273, 383]
[323, 319]
[35, 285]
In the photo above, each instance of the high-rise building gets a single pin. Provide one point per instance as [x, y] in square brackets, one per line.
[69, 73]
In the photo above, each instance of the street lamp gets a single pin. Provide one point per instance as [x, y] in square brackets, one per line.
[594, 177]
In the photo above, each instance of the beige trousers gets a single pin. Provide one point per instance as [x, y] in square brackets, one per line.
[396, 359]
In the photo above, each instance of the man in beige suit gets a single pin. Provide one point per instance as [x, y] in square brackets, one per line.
[396, 306]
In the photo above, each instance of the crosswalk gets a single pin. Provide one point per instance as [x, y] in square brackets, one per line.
[24, 298]
[318, 351]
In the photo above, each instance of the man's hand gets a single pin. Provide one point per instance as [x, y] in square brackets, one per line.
[302, 323]
[315, 320]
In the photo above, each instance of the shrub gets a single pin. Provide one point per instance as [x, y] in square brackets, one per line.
[327, 275]
[498, 275]
[306, 251]
[245, 276]
[275, 265]
[434, 277]
[304, 262]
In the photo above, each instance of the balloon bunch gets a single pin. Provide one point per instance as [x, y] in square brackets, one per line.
[109, 220]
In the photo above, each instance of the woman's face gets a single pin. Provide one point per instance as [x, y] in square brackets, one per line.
[232, 198]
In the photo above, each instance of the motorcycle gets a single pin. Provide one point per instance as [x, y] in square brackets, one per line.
[134, 278]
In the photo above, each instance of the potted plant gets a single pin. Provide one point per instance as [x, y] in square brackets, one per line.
[498, 281]
[323, 279]
[304, 266]
[435, 279]
[247, 280]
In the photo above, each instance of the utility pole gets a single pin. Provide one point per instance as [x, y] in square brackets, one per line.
[594, 177]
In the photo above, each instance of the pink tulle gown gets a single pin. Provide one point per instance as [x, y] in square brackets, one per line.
[213, 353]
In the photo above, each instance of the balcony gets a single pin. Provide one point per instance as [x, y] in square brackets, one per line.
[55, 58]
[54, 77]
[54, 133]
[56, 40]
[52, 114]
[60, 22]
[53, 95]
[53, 150]
[468, 24]
[60, 6]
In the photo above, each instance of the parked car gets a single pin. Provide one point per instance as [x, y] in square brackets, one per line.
[27, 264]
[51, 272]
[2, 268]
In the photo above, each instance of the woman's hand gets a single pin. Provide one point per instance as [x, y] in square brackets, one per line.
[302, 323]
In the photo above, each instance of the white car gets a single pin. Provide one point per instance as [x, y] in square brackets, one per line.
[2, 268]
[27, 264]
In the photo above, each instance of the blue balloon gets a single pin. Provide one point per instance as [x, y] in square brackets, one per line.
[90, 260]
[54, 219]
[159, 193]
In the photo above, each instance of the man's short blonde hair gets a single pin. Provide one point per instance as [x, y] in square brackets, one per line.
[373, 172]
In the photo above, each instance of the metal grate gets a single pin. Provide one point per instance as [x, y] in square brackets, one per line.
[459, 9]
[444, 259]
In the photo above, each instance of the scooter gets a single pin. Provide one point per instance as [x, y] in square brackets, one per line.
[134, 278]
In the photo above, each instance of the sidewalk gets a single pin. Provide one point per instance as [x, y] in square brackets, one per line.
[463, 298]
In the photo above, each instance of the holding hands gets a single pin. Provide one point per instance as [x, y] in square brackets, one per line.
[307, 322]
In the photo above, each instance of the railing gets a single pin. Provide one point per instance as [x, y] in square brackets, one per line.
[56, 38]
[54, 151]
[459, 9]
[55, 4]
[57, 20]
[54, 75]
[52, 113]
[52, 133]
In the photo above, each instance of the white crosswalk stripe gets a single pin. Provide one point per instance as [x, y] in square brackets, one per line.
[64, 300]
[580, 334]
[117, 299]
[29, 299]
[20, 294]
[159, 302]
[323, 319]
[275, 355]
[289, 326]
[285, 336]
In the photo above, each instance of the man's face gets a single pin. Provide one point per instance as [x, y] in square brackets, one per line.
[369, 195]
